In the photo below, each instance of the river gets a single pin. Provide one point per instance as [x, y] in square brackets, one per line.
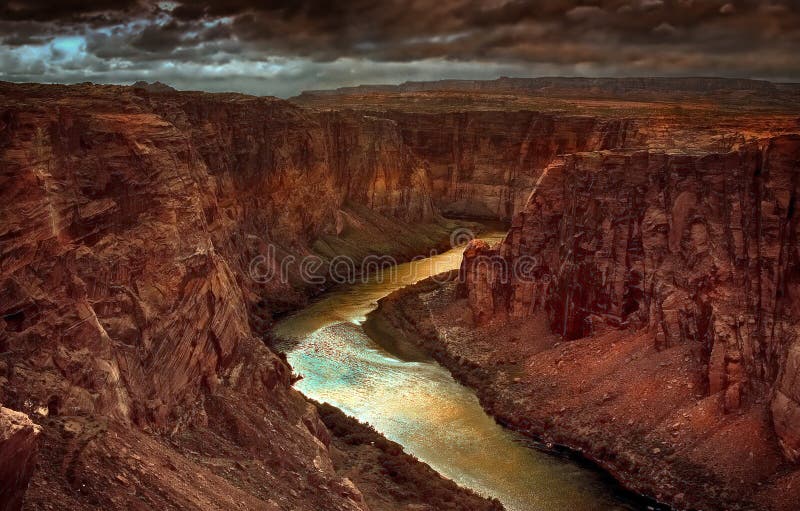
[420, 406]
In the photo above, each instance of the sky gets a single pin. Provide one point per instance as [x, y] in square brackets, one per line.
[284, 47]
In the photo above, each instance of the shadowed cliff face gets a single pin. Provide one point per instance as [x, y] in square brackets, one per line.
[695, 248]
[485, 164]
[487, 142]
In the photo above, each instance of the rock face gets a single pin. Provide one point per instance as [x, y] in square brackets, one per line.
[126, 305]
[18, 444]
[487, 142]
[695, 248]
[131, 320]
[485, 164]
[134, 218]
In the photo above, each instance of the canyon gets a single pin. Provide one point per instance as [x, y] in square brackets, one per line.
[641, 309]
[698, 253]
[133, 326]
[136, 331]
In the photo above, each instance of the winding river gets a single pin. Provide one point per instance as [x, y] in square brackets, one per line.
[420, 406]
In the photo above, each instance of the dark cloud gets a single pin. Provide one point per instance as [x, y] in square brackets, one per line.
[24, 33]
[65, 10]
[403, 31]
[160, 38]
[747, 38]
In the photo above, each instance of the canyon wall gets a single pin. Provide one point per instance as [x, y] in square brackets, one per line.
[131, 324]
[695, 248]
[485, 163]
[282, 177]
[135, 218]
[126, 304]
[487, 142]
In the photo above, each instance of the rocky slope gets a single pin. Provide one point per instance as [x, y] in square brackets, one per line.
[693, 254]
[18, 445]
[381, 466]
[149, 236]
[637, 411]
[130, 315]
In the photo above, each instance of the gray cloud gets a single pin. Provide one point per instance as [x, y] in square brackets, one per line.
[274, 46]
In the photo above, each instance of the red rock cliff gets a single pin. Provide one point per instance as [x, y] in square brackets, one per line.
[130, 220]
[485, 163]
[18, 442]
[697, 248]
[128, 223]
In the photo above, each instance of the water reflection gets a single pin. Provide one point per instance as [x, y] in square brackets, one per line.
[420, 406]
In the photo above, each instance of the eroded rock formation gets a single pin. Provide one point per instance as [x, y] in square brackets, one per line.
[695, 248]
[132, 326]
[130, 319]
[18, 445]
[485, 164]
[487, 142]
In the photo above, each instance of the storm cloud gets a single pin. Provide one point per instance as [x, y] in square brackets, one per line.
[281, 47]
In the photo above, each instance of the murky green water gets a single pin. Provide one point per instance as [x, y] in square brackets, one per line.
[420, 406]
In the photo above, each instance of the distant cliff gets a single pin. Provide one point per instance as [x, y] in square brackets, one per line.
[726, 91]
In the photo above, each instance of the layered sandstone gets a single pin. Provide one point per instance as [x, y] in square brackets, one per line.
[130, 319]
[693, 252]
[698, 248]
[135, 218]
[132, 325]
[484, 164]
[487, 142]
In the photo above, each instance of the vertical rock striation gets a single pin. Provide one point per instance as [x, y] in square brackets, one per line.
[129, 224]
[696, 248]
[485, 163]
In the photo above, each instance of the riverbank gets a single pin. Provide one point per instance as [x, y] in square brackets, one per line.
[249, 441]
[415, 401]
[639, 413]
[388, 477]
[363, 240]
